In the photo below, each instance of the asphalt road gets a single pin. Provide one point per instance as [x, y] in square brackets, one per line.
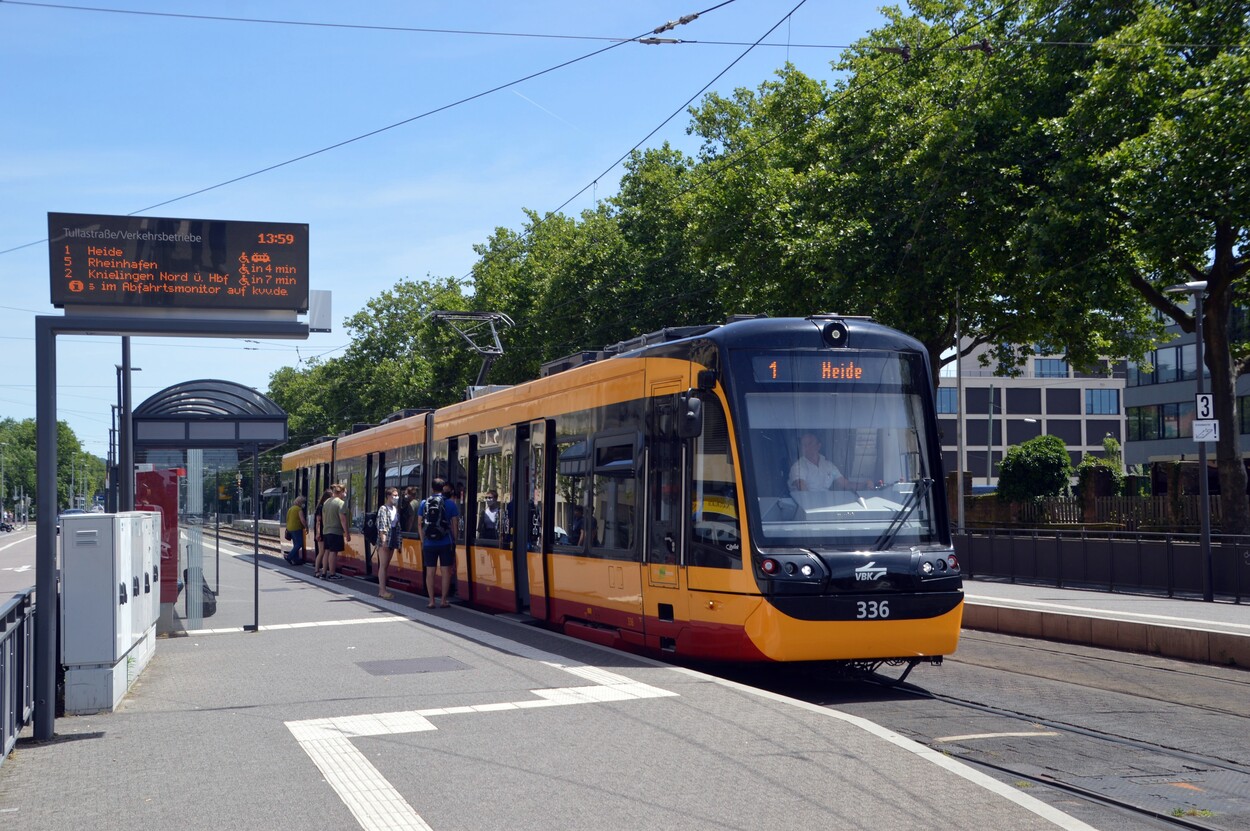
[17, 561]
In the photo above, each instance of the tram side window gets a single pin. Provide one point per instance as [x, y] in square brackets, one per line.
[714, 530]
[614, 498]
[403, 471]
[572, 461]
[491, 517]
[352, 473]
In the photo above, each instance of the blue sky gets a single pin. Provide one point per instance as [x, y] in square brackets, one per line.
[109, 113]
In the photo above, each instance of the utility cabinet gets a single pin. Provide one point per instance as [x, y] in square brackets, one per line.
[110, 601]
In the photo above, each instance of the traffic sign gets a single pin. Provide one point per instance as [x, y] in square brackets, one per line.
[1207, 431]
[1204, 405]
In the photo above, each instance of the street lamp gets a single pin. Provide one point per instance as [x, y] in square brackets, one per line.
[4, 483]
[1197, 289]
[126, 452]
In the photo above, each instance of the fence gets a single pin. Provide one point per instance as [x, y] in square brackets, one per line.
[17, 668]
[1142, 562]
[1127, 513]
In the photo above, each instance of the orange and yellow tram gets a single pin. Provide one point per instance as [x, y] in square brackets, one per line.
[764, 490]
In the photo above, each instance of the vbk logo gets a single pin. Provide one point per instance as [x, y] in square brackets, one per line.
[870, 571]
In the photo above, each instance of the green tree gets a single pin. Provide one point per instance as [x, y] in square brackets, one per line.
[1154, 160]
[1038, 468]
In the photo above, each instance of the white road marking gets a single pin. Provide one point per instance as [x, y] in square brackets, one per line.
[272, 627]
[18, 569]
[377, 805]
[16, 542]
[972, 736]
[1098, 613]
[373, 801]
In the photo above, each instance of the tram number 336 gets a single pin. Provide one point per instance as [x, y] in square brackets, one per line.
[872, 609]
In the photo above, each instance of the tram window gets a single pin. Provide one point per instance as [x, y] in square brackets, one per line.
[714, 533]
[491, 516]
[572, 461]
[857, 457]
[614, 498]
[460, 484]
[352, 473]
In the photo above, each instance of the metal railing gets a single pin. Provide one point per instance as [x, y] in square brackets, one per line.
[1116, 561]
[17, 667]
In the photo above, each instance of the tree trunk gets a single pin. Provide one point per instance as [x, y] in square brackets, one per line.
[1218, 358]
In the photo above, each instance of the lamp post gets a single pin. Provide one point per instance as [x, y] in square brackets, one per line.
[1197, 289]
[125, 433]
[959, 423]
[4, 483]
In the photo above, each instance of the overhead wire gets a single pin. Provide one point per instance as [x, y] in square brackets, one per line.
[734, 159]
[380, 130]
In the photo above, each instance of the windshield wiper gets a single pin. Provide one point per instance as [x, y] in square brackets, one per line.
[918, 491]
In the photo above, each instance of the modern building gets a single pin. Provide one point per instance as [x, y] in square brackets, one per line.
[1048, 397]
[1159, 403]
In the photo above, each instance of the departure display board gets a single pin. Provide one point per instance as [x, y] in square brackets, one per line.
[142, 261]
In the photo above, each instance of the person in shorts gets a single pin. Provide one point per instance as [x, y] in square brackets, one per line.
[438, 551]
[335, 530]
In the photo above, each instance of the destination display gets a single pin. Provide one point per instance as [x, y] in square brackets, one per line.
[142, 261]
[809, 368]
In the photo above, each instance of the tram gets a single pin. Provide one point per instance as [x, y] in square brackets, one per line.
[763, 490]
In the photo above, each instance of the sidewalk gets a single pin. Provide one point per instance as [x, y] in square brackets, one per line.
[1191, 630]
[347, 712]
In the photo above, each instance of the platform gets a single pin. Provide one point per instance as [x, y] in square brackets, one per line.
[347, 712]
[1190, 630]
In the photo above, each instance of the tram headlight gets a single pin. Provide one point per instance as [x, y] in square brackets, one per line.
[805, 570]
[954, 562]
[926, 567]
[769, 566]
[790, 568]
[941, 564]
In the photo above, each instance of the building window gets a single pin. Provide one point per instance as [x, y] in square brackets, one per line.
[1177, 420]
[947, 400]
[1050, 368]
[1138, 376]
[1166, 369]
[1243, 417]
[1102, 402]
[1143, 424]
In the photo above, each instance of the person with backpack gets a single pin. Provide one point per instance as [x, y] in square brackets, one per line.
[439, 519]
[388, 539]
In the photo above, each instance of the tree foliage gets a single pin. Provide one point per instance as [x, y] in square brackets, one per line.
[1038, 468]
[1046, 167]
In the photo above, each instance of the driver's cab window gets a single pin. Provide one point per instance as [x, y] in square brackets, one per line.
[715, 538]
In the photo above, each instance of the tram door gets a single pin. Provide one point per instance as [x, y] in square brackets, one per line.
[666, 601]
[525, 514]
[533, 533]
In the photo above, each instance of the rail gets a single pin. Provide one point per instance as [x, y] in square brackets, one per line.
[17, 667]
[1130, 562]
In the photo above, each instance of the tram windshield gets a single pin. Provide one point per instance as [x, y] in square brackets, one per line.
[837, 451]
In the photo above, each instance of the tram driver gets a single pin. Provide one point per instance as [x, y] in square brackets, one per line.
[814, 472]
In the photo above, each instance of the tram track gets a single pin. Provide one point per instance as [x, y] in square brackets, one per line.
[1125, 762]
[1238, 687]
